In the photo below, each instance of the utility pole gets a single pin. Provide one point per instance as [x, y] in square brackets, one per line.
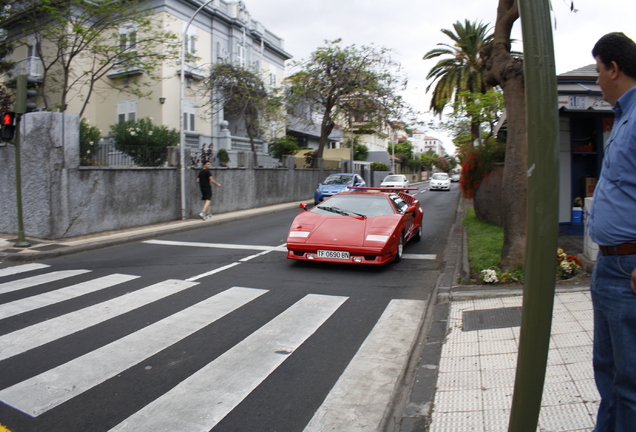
[542, 207]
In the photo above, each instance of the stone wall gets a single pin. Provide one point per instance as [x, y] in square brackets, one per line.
[61, 199]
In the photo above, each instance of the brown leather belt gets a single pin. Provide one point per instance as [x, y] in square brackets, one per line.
[621, 249]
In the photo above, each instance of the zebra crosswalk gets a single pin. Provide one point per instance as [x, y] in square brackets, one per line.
[204, 398]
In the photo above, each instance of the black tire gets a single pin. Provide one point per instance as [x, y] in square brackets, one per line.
[418, 235]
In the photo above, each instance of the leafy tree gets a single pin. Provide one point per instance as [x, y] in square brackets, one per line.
[81, 43]
[360, 151]
[459, 75]
[242, 93]
[505, 69]
[287, 145]
[404, 148]
[144, 142]
[339, 83]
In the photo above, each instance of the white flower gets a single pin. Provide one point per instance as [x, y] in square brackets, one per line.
[489, 276]
[149, 132]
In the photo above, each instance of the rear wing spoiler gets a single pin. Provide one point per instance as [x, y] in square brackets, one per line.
[384, 189]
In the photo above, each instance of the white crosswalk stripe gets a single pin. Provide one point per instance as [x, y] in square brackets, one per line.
[204, 398]
[30, 337]
[21, 269]
[49, 298]
[211, 393]
[49, 389]
[38, 280]
[364, 390]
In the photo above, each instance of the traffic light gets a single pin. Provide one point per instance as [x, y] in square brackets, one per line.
[24, 92]
[8, 126]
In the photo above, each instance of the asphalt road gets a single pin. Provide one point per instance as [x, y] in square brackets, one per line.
[212, 329]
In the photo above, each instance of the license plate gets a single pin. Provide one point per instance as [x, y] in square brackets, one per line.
[333, 254]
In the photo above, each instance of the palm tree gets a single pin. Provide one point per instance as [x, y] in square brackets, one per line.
[462, 72]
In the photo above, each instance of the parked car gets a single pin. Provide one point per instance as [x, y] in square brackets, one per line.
[336, 183]
[455, 178]
[395, 181]
[440, 181]
[361, 226]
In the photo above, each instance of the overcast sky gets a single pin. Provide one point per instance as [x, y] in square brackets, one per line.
[411, 28]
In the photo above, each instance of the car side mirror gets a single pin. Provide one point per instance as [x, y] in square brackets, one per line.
[412, 209]
[303, 206]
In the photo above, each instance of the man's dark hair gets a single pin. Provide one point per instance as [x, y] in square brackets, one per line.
[618, 48]
[204, 162]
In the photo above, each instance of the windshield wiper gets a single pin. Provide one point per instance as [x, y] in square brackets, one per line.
[341, 211]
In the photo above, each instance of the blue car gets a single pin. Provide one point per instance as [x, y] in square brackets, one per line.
[336, 183]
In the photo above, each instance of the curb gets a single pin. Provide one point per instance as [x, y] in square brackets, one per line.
[115, 238]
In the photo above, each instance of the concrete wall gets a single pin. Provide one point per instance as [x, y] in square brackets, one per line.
[61, 199]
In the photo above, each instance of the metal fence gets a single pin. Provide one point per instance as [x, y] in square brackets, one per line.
[110, 155]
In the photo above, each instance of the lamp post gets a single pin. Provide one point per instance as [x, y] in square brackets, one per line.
[182, 110]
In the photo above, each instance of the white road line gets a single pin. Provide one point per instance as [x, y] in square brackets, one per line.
[358, 400]
[420, 256]
[210, 245]
[73, 291]
[38, 280]
[46, 391]
[211, 272]
[31, 337]
[21, 269]
[205, 398]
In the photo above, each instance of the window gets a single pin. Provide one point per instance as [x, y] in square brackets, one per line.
[126, 110]
[190, 40]
[189, 115]
[128, 37]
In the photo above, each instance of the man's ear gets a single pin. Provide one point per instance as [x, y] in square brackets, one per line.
[613, 70]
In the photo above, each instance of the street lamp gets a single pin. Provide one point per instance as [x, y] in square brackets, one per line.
[182, 110]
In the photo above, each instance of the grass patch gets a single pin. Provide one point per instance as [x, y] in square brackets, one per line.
[485, 242]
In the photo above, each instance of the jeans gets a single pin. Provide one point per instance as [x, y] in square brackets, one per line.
[615, 342]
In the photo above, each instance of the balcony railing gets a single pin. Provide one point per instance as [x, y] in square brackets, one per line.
[30, 66]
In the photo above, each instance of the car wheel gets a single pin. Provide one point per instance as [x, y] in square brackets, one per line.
[418, 235]
[400, 249]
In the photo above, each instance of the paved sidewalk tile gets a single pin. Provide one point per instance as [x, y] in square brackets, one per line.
[477, 370]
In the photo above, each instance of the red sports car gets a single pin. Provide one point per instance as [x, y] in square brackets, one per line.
[362, 226]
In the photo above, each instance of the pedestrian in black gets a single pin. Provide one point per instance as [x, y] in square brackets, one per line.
[205, 181]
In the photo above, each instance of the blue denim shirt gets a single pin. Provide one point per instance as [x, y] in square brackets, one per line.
[613, 216]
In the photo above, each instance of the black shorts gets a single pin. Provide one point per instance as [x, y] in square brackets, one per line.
[206, 195]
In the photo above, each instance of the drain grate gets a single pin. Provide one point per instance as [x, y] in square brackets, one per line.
[488, 319]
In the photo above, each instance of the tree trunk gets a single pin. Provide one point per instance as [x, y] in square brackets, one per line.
[500, 68]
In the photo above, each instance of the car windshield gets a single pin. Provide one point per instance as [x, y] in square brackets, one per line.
[337, 179]
[393, 178]
[367, 205]
[440, 176]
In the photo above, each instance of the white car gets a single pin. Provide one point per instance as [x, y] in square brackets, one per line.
[395, 181]
[440, 181]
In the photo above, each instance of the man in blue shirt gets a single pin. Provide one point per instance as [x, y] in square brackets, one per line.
[613, 227]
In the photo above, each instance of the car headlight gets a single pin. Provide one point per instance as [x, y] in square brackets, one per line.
[303, 234]
[380, 238]
[318, 190]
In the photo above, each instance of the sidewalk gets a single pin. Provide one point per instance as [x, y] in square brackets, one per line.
[464, 380]
[46, 249]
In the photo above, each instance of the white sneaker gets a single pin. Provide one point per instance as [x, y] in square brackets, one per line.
[209, 216]
[202, 215]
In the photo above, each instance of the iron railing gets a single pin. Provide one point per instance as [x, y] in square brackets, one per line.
[111, 155]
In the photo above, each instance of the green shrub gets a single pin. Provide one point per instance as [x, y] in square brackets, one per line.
[223, 157]
[283, 146]
[89, 138]
[144, 142]
[379, 166]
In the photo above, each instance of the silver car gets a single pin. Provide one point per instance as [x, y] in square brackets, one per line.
[395, 181]
[440, 181]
